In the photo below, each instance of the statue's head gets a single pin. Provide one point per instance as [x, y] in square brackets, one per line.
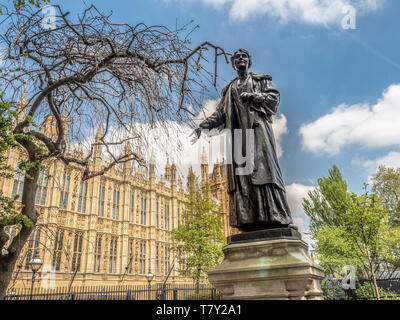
[241, 60]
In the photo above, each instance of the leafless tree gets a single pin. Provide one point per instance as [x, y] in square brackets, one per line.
[86, 72]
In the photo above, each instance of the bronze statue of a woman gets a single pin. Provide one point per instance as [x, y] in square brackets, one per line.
[257, 199]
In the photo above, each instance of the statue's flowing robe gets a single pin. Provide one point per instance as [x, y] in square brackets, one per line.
[257, 200]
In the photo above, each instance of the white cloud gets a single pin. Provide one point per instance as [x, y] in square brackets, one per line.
[184, 154]
[360, 124]
[316, 12]
[295, 195]
[279, 126]
[172, 140]
[392, 160]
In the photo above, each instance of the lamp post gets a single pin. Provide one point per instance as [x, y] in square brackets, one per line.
[35, 265]
[150, 277]
[198, 280]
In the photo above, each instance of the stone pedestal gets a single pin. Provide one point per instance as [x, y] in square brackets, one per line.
[275, 267]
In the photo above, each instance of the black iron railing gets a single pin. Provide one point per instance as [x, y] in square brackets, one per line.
[138, 292]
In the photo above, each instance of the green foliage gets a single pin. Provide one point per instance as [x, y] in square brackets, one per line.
[7, 138]
[22, 3]
[10, 210]
[10, 213]
[386, 184]
[18, 4]
[327, 201]
[334, 250]
[350, 229]
[365, 291]
[200, 238]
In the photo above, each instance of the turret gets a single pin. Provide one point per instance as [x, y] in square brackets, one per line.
[152, 166]
[128, 164]
[50, 127]
[98, 147]
[204, 168]
[173, 174]
[168, 170]
[190, 177]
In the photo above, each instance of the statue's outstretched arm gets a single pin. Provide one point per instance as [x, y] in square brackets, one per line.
[215, 120]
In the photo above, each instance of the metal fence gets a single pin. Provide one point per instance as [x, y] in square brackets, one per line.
[388, 284]
[139, 292]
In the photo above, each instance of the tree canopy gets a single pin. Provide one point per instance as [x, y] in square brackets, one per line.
[200, 238]
[386, 184]
[351, 229]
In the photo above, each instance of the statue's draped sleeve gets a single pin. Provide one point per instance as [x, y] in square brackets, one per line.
[267, 97]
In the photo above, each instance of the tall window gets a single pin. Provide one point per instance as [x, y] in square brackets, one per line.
[142, 258]
[185, 216]
[136, 253]
[157, 214]
[57, 252]
[179, 217]
[113, 256]
[76, 258]
[167, 261]
[102, 193]
[41, 190]
[157, 259]
[166, 216]
[132, 208]
[97, 254]
[18, 182]
[142, 210]
[130, 257]
[33, 247]
[64, 191]
[82, 197]
[115, 208]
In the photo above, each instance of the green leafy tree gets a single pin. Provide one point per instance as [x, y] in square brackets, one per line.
[327, 201]
[18, 4]
[351, 229]
[386, 184]
[10, 210]
[200, 238]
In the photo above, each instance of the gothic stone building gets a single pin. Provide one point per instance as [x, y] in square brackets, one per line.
[109, 230]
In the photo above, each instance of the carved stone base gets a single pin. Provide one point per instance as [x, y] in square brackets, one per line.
[268, 269]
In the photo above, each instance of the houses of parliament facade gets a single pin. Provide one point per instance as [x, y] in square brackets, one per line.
[109, 230]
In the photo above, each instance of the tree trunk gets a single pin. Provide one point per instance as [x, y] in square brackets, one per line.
[371, 267]
[8, 261]
[198, 281]
[375, 284]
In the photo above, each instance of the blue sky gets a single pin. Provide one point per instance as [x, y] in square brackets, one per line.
[317, 66]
